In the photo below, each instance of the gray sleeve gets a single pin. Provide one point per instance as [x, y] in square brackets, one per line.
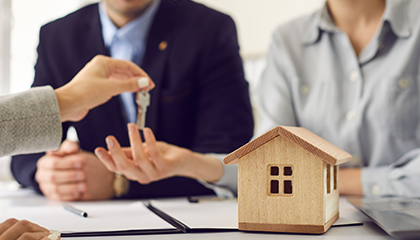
[29, 122]
[398, 179]
[229, 178]
[227, 185]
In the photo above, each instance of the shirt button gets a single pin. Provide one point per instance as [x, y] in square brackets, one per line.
[304, 89]
[403, 83]
[354, 76]
[376, 190]
[350, 115]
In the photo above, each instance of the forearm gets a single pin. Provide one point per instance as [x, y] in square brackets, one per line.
[29, 122]
[204, 167]
[64, 104]
[350, 183]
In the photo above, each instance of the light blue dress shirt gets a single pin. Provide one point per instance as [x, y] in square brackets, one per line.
[367, 105]
[128, 43]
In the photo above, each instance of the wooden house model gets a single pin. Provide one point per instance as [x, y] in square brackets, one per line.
[288, 182]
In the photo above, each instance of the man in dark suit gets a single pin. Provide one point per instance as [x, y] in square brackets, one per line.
[201, 99]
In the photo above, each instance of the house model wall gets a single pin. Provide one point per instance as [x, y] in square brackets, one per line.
[288, 182]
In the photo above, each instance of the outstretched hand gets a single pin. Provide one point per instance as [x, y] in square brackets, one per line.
[152, 161]
[143, 162]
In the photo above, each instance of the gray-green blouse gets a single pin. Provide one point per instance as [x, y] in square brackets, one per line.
[367, 105]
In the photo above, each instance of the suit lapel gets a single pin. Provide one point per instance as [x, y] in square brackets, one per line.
[95, 45]
[158, 45]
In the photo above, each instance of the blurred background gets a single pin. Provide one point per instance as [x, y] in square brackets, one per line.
[20, 21]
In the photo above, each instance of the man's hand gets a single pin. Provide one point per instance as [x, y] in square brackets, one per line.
[101, 79]
[12, 229]
[152, 160]
[69, 174]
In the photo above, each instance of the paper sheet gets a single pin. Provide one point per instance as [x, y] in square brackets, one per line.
[213, 214]
[106, 216]
[210, 214]
[21, 193]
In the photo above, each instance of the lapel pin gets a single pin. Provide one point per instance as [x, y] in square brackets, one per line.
[163, 45]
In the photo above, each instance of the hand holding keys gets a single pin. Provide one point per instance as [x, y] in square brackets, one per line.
[143, 101]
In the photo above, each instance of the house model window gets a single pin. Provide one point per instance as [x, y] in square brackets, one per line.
[280, 176]
[274, 171]
[274, 186]
[288, 171]
[328, 179]
[334, 178]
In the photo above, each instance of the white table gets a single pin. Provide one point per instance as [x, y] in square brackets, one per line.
[365, 232]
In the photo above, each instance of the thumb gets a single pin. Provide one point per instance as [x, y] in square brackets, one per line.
[132, 84]
[67, 147]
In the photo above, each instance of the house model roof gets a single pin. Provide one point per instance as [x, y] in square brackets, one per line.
[302, 137]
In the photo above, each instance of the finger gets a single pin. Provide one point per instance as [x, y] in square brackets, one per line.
[34, 236]
[124, 166]
[60, 176]
[67, 147]
[146, 150]
[130, 85]
[127, 152]
[153, 148]
[130, 69]
[60, 163]
[66, 198]
[54, 235]
[120, 66]
[132, 72]
[63, 189]
[106, 159]
[63, 192]
[21, 227]
[7, 224]
[137, 151]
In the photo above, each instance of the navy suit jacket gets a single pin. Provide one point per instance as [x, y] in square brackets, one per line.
[201, 100]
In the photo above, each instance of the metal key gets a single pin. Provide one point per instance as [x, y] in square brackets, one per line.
[143, 101]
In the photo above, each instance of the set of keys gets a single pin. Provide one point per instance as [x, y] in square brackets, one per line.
[143, 101]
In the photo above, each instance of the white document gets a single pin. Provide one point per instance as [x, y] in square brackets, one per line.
[204, 215]
[13, 194]
[102, 216]
[212, 214]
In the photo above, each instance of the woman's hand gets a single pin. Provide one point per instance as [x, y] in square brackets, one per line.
[12, 229]
[152, 161]
[100, 80]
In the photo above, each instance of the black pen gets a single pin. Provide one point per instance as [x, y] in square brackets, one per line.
[75, 210]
